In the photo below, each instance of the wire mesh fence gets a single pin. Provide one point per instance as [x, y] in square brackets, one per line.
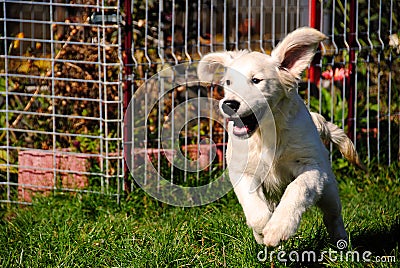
[69, 70]
[60, 102]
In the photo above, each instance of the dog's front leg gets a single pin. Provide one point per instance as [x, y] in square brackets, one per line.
[250, 195]
[300, 194]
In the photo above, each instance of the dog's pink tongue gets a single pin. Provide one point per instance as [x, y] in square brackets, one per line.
[240, 130]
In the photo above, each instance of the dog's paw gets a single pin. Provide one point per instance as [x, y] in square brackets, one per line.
[277, 231]
[258, 237]
[257, 223]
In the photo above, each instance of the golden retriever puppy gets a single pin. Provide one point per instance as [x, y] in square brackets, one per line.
[276, 159]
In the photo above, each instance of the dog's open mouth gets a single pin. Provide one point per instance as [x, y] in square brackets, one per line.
[245, 126]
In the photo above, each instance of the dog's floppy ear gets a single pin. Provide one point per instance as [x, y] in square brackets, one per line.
[209, 64]
[295, 52]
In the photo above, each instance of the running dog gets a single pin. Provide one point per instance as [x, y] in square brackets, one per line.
[277, 161]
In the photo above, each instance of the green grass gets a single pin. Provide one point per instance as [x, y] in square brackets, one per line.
[94, 231]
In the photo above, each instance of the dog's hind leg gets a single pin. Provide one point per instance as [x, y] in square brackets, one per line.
[331, 208]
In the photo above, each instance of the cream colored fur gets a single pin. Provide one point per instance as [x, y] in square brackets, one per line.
[283, 167]
[332, 133]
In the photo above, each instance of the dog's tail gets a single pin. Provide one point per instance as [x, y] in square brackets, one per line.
[332, 133]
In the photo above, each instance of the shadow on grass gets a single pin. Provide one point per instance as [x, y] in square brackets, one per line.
[379, 242]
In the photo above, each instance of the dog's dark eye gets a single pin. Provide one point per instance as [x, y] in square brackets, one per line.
[255, 80]
[228, 82]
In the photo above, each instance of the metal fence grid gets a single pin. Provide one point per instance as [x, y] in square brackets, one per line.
[68, 72]
[60, 98]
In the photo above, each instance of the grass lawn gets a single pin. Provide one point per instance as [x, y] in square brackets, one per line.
[94, 231]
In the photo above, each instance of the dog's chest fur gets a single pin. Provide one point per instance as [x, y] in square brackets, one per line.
[257, 160]
[277, 154]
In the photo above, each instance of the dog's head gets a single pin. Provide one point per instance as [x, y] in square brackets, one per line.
[253, 81]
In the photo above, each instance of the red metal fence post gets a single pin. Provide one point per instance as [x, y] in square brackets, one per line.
[314, 7]
[127, 77]
[351, 81]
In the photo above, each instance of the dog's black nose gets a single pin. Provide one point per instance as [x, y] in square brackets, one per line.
[230, 107]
